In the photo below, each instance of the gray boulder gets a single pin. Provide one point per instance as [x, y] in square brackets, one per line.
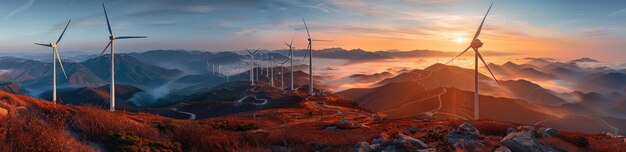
[468, 128]
[463, 140]
[378, 140]
[510, 130]
[523, 141]
[361, 147]
[404, 139]
[331, 128]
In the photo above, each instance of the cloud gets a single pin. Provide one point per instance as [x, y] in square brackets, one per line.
[621, 12]
[246, 31]
[20, 9]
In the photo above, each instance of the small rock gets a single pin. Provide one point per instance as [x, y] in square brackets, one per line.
[523, 141]
[427, 150]
[468, 128]
[413, 128]
[331, 128]
[390, 148]
[624, 140]
[347, 124]
[361, 147]
[547, 132]
[378, 140]
[510, 130]
[412, 141]
[502, 149]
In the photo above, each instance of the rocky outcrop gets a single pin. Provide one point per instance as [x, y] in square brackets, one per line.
[523, 141]
[463, 140]
[469, 129]
[410, 141]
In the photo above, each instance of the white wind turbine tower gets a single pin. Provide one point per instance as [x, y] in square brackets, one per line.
[282, 71]
[290, 45]
[111, 44]
[310, 53]
[475, 44]
[271, 65]
[56, 57]
[252, 69]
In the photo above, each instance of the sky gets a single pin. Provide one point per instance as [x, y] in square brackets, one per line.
[555, 28]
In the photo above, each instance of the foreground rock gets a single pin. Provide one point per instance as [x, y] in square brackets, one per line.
[347, 124]
[361, 147]
[469, 129]
[410, 141]
[523, 141]
[463, 140]
[547, 132]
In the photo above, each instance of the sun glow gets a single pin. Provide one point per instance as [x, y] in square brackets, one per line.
[459, 39]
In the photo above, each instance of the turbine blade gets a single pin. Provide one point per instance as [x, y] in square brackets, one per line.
[306, 27]
[458, 55]
[489, 69]
[481, 23]
[307, 52]
[131, 37]
[68, 24]
[48, 45]
[60, 62]
[105, 48]
[287, 44]
[107, 17]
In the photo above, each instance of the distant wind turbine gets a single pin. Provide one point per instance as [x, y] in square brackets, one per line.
[252, 69]
[271, 65]
[282, 71]
[475, 44]
[310, 53]
[290, 45]
[111, 44]
[56, 57]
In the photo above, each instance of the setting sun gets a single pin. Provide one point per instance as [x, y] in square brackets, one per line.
[459, 39]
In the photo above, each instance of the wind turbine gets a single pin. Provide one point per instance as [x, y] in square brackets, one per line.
[290, 45]
[251, 55]
[310, 53]
[282, 67]
[55, 57]
[111, 44]
[475, 44]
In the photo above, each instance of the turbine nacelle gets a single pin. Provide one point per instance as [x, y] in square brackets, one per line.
[54, 45]
[476, 43]
[111, 37]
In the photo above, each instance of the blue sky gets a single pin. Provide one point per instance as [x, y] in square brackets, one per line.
[534, 27]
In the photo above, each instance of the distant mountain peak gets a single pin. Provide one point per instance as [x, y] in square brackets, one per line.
[585, 59]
